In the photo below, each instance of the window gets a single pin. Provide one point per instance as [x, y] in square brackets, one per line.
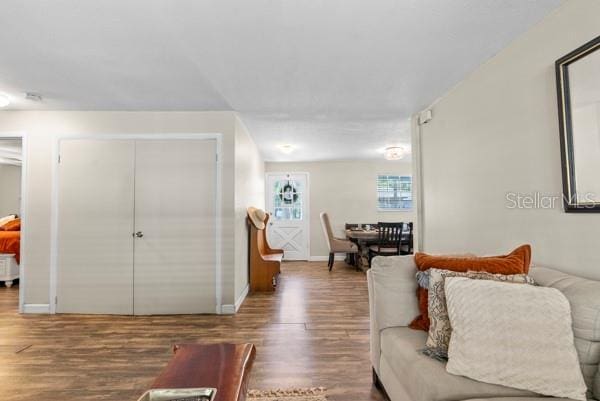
[394, 192]
[287, 200]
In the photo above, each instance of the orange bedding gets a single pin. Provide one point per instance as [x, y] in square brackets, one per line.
[10, 242]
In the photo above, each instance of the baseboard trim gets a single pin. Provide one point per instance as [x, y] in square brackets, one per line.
[231, 309]
[228, 309]
[242, 297]
[36, 308]
[325, 258]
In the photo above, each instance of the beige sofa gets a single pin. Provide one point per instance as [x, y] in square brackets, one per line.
[407, 375]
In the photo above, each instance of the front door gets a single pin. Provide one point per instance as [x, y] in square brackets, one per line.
[287, 203]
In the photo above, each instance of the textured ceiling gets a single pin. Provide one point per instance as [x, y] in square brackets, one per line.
[336, 78]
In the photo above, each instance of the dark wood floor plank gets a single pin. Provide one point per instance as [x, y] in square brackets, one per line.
[312, 332]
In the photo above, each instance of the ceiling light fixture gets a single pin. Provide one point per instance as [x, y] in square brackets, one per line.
[4, 100]
[34, 97]
[287, 149]
[394, 153]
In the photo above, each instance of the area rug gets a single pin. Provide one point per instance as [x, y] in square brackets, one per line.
[294, 394]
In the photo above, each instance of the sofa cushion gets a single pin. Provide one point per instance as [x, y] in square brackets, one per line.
[583, 296]
[426, 379]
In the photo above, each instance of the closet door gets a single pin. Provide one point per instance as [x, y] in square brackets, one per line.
[175, 223]
[95, 226]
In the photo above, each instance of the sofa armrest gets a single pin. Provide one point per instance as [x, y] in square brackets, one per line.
[392, 297]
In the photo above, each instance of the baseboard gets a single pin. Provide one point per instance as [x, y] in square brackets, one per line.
[242, 297]
[325, 258]
[228, 309]
[36, 308]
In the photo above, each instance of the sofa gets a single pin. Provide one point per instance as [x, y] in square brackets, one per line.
[405, 374]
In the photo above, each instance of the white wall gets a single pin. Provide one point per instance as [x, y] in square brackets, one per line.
[10, 189]
[585, 120]
[43, 128]
[497, 132]
[249, 191]
[347, 190]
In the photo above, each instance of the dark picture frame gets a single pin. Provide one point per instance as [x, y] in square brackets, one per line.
[571, 200]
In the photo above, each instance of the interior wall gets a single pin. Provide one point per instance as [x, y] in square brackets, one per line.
[586, 145]
[347, 190]
[10, 195]
[43, 128]
[495, 137]
[249, 191]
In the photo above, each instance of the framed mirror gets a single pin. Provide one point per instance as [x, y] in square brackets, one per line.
[578, 86]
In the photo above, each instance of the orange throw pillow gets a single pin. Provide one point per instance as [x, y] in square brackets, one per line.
[421, 322]
[13, 225]
[515, 262]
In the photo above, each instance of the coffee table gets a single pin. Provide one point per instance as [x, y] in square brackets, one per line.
[225, 367]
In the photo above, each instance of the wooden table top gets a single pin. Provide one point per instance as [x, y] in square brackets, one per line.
[225, 367]
[362, 234]
[367, 235]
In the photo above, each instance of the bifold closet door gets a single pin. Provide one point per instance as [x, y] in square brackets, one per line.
[175, 223]
[95, 215]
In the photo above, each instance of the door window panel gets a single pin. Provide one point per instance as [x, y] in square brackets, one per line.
[287, 200]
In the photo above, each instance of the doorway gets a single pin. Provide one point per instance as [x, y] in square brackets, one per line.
[287, 202]
[11, 177]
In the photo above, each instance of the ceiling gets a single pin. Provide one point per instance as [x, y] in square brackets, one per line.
[338, 79]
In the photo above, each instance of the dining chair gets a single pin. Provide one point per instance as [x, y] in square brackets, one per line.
[388, 242]
[335, 245]
[406, 243]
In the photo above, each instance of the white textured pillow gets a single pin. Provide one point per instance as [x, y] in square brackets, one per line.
[515, 335]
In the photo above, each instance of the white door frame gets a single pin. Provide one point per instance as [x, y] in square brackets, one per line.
[112, 137]
[306, 204]
[22, 213]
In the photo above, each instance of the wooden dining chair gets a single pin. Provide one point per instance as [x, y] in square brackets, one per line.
[389, 240]
[406, 243]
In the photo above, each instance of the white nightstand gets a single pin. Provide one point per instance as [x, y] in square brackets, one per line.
[9, 269]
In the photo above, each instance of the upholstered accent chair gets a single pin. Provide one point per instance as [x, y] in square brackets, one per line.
[335, 245]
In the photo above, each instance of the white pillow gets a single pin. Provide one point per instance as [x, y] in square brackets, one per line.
[514, 335]
[6, 219]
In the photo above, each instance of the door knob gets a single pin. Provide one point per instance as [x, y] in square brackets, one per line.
[139, 234]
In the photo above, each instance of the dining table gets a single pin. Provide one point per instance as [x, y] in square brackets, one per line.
[363, 238]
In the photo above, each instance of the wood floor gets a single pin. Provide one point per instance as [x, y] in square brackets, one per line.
[313, 332]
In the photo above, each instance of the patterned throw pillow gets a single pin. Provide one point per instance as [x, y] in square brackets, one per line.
[439, 321]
